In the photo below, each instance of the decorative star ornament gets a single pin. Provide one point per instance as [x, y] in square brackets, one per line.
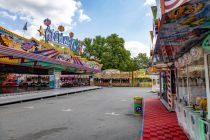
[41, 31]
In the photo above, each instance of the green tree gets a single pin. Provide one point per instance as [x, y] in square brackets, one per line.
[110, 51]
[141, 61]
[89, 49]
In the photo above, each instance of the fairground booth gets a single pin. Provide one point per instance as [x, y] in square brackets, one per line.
[54, 61]
[181, 56]
[142, 79]
[116, 78]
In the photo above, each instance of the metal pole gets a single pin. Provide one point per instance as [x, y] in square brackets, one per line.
[177, 83]
[160, 85]
[207, 83]
[132, 80]
[188, 88]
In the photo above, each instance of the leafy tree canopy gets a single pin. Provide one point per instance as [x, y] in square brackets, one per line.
[141, 61]
[112, 53]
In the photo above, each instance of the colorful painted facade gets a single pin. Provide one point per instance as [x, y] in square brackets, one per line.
[46, 54]
[181, 58]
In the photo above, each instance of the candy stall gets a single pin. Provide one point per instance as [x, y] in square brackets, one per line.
[183, 47]
[192, 86]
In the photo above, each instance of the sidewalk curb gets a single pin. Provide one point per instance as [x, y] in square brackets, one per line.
[46, 95]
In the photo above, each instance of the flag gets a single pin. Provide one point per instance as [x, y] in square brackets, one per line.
[158, 24]
[152, 36]
[25, 27]
[172, 4]
[154, 12]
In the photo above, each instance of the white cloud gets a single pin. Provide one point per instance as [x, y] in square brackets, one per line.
[83, 17]
[60, 12]
[7, 15]
[148, 14]
[150, 2]
[136, 47]
[2, 23]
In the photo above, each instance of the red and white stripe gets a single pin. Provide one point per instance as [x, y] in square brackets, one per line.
[164, 52]
[169, 94]
[172, 4]
[17, 53]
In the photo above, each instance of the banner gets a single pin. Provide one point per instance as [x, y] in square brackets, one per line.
[172, 4]
[154, 12]
[152, 36]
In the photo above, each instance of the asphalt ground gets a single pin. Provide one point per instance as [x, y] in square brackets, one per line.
[104, 114]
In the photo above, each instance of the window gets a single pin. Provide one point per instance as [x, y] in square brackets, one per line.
[191, 78]
[182, 83]
[196, 78]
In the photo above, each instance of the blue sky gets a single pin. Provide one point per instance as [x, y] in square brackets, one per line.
[130, 19]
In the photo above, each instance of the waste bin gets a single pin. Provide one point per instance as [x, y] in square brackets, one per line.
[138, 106]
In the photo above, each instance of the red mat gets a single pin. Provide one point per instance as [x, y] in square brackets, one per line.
[159, 124]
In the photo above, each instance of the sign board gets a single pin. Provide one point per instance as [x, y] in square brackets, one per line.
[54, 36]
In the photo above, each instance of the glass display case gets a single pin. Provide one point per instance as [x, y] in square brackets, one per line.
[191, 105]
[182, 83]
[196, 78]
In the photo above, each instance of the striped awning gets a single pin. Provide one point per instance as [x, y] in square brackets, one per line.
[31, 56]
[172, 4]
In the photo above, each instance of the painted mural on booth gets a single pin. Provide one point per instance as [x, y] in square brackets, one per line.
[185, 25]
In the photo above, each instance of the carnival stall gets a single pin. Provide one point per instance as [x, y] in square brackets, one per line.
[75, 80]
[112, 77]
[191, 85]
[116, 78]
[182, 48]
[141, 79]
[56, 53]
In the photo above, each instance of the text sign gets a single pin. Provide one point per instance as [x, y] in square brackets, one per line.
[57, 37]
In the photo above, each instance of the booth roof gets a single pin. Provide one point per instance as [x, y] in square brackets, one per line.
[116, 74]
[17, 53]
[181, 29]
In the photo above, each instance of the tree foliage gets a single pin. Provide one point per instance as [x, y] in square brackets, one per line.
[141, 61]
[111, 52]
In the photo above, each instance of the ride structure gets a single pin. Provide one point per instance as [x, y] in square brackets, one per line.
[54, 55]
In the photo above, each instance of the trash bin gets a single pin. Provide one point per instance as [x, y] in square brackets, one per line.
[138, 106]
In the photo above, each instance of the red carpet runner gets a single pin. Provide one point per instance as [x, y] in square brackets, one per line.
[159, 124]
